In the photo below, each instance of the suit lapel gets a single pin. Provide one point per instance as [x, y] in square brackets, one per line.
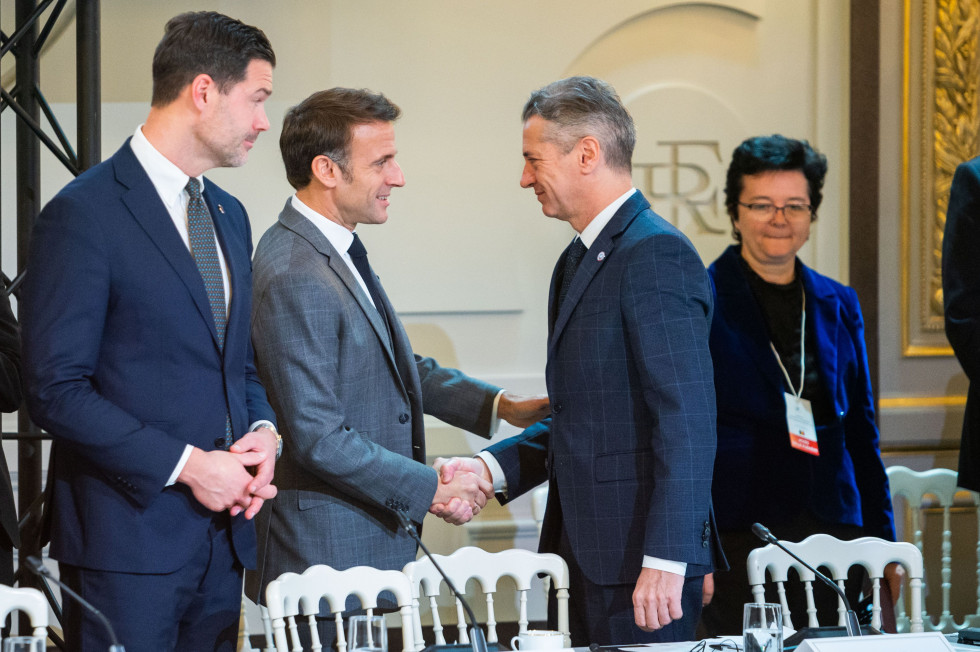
[733, 289]
[296, 222]
[147, 209]
[597, 256]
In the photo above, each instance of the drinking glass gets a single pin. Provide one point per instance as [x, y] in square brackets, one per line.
[762, 628]
[23, 644]
[367, 634]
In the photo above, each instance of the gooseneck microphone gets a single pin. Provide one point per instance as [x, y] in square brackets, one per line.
[38, 568]
[851, 621]
[477, 639]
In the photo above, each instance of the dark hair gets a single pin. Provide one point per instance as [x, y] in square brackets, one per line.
[323, 125]
[205, 42]
[585, 106]
[770, 154]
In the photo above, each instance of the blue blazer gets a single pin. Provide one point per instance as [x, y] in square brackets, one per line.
[123, 367]
[630, 445]
[758, 475]
[961, 296]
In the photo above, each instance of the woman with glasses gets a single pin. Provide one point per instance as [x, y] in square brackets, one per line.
[797, 440]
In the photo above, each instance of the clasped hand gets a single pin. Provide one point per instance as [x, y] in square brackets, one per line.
[239, 480]
[464, 489]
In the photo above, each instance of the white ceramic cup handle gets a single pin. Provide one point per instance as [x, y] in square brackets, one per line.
[514, 643]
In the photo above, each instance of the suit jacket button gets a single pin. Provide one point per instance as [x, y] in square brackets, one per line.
[403, 418]
[219, 443]
[557, 407]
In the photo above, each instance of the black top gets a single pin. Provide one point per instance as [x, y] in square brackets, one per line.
[782, 309]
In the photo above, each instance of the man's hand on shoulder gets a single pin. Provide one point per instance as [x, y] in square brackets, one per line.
[657, 599]
[522, 411]
[220, 480]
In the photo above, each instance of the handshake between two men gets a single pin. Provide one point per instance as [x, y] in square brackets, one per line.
[465, 484]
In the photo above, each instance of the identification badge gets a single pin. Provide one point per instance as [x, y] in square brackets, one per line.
[799, 420]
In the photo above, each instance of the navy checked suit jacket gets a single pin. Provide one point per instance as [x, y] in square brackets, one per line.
[123, 368]
[846, 484]
[630, 444]
[350, 398]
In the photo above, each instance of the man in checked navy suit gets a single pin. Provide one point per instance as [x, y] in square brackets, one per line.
[138, 359]
[629, 447]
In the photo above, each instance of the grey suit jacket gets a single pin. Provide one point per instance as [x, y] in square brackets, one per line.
[349, 397]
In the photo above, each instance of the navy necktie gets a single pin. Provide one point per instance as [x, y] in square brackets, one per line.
[358, 255]
[200, 234]
[573, 258]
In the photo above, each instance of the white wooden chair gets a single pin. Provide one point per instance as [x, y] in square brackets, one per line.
[914, 486]
[486, 569]
[838, 556]
[31, 602]
[293, 595]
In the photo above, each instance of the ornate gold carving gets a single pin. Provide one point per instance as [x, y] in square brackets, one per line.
[956, 125]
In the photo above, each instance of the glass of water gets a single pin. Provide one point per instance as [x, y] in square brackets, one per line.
[367, 634]
[762, 628]
[23, 644]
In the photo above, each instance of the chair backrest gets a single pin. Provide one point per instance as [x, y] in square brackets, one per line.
[539, 501]
[293, 595]
[837, 556]
[486, 569]
[28, 600]
[914, 486]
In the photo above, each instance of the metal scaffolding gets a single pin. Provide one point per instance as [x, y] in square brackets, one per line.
[35, 20]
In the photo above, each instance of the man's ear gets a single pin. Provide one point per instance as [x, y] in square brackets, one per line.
[325, 170]
[202, 90]
[589, 153]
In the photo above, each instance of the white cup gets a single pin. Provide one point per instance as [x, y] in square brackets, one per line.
[538, 639]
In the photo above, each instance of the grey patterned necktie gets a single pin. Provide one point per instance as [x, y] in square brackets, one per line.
[200, 233]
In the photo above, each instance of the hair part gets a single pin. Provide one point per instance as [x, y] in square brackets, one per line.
[323, 125]
[774, 153]
[577, 107]
[205, 42]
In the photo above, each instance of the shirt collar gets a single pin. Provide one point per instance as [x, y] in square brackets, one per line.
[167, 178]
[339, 236]
[599, 222]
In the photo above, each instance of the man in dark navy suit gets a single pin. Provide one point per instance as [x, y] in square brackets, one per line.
[629, 448]
[138, 359]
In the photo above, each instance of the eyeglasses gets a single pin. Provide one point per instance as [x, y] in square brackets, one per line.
[724, 645]
[766, 211]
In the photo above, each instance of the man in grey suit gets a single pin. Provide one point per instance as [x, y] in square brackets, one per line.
[337, 363]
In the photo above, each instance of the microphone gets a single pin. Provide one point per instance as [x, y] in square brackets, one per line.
[477, 639]
[37, 567]
[851, 621]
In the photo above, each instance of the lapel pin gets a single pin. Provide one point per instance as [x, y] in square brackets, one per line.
[221, 209]
[601, 257]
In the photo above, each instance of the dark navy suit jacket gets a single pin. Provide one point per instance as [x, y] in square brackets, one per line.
[961, 294]
[758, 475]
[630, 444]
[123, 367]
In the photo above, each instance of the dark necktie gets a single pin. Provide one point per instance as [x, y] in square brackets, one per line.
[200, 233]
[573, 258]
[358, 255]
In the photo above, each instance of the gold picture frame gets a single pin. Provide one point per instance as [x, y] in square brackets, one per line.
[941, 129]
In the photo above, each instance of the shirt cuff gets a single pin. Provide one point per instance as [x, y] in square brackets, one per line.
[261, 423]
[497, 477]
[494, 419]
[180, 465]
[676, 567]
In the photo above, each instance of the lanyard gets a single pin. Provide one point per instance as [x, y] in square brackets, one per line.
[772, 346]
